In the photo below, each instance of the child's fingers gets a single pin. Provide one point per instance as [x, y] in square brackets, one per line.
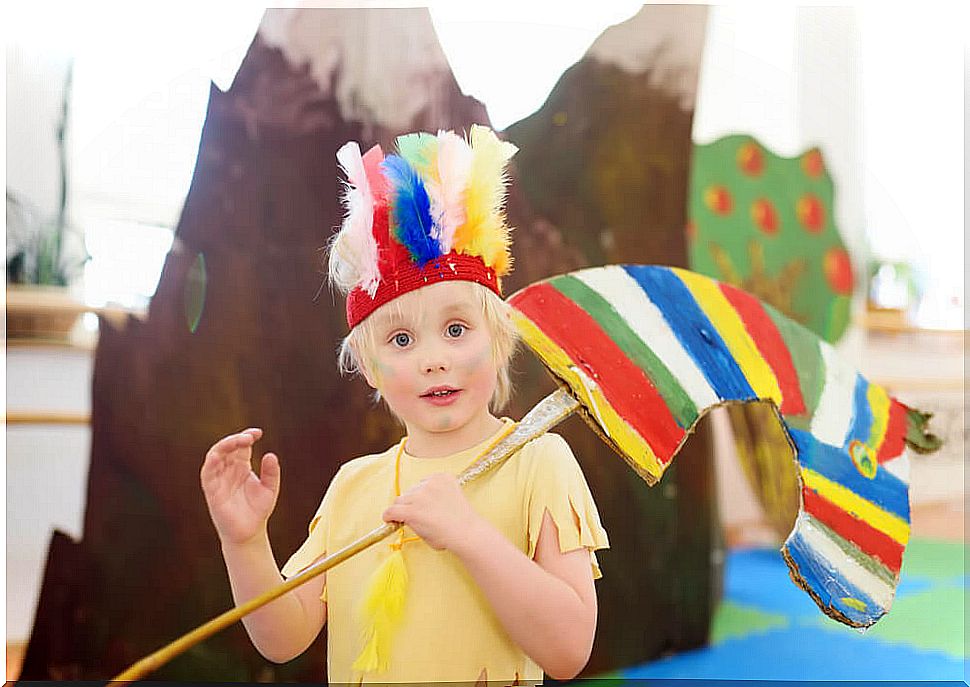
[212, 465]
[227, 451]
[221, 454]
[269, 472]
[395, 513]
[216, 468]
[241, 439]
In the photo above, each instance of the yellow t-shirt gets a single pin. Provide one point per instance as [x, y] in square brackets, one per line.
[449, 632]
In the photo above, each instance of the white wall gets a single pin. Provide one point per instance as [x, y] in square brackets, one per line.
[35, 82]
[46, 469]
[914, 64]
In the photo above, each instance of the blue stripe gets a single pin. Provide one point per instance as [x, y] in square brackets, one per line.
[861, 412]
[884, 490]
[693, 330]
[825, 579]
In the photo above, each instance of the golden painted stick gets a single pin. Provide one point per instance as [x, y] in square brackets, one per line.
[549, 412]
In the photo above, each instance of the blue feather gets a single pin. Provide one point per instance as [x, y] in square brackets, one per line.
[410, 210]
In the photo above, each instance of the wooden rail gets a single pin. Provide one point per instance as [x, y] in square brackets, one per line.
[42, 417]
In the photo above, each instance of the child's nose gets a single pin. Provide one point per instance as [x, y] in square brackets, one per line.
[434, 361]
[435, 365]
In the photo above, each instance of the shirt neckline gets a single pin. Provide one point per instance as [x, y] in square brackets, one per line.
[436, 464]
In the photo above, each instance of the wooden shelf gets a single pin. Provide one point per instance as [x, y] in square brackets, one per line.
[53, 317]
[894, 322]
[895, 384]
[45, 417]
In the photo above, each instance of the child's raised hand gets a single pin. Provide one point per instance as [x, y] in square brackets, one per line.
[437, 510]
[239, 502]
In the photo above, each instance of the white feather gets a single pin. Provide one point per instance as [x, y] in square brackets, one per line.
[357, 233]
[454, 166]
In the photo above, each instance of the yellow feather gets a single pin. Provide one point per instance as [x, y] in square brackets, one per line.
[484, 232]
[382, 608]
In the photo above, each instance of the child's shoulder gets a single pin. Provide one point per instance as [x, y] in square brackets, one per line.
[362, 467]
[546, 451]
[550, 442]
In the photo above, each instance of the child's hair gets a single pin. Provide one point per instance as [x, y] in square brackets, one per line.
[356, 349]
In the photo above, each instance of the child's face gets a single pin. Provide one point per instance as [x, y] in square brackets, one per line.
[432, 360]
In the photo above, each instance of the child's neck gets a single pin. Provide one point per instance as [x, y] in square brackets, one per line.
[422, 443]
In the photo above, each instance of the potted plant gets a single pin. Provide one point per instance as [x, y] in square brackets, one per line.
[892, 294]
[45, 255]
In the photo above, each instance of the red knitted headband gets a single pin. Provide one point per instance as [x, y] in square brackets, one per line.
[450, 267]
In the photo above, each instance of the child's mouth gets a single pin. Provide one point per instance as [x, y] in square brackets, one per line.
[441, 395]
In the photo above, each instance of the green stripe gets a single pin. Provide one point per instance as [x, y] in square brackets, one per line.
[856, 554]
[805, 354]
[615, 327]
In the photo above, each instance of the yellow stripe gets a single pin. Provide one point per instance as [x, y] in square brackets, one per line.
[879, 405]
[846, 499]
[731, 328]
[592, 398]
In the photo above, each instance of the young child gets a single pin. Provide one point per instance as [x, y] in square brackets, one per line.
[496, 577]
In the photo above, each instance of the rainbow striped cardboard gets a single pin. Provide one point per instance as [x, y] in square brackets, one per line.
[649, 349]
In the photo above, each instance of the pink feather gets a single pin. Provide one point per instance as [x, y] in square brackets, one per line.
[372, 165]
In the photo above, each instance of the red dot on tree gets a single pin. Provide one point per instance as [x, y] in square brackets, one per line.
[838, 270]
[750, 159]
[764, 216]
[811, 213]
[718, 199]
[812, 163]
[691, 230]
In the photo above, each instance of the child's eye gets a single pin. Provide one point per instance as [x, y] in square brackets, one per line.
[401, 339]
[456, 329]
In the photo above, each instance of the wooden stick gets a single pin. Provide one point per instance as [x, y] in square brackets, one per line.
[549, 412]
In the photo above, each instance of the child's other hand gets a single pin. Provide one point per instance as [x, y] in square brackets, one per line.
[437, 510]
[239, 502]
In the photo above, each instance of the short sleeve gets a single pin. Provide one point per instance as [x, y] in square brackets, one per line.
[559, 486]
[316, 542]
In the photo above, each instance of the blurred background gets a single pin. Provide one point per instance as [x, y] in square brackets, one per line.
[133, 133]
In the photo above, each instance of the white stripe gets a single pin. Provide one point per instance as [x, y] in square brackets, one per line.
[898, 466]
[645, 319]
[834, 557]
[833, 414]
[590, 387]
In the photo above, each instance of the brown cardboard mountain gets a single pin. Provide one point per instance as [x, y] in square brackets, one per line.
[236, 336]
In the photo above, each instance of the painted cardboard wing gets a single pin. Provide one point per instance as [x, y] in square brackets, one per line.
[649, 349]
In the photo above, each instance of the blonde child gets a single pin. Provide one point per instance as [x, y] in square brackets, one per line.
[499, 574]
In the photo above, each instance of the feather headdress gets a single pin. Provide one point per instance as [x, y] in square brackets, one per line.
[432, 212]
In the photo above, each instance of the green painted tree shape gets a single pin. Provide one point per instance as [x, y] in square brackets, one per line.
[765, 223]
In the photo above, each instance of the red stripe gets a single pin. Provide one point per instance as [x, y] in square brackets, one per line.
[624, 385]
[894, 441]
[870, 540]
[771, 346]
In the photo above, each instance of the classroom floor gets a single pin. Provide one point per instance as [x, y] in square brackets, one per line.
[768, 629]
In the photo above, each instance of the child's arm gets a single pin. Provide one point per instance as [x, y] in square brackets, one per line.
[547, 605]
[284, 628]
[240, 503]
